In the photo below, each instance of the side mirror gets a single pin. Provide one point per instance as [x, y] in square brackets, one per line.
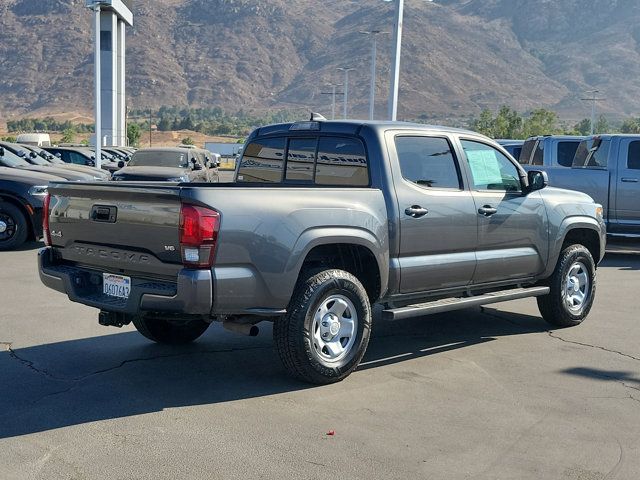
[91, 163]
[33, 155]
[121, 164]
[537, 180]
[196, 166]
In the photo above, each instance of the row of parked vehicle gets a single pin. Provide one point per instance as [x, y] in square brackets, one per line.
[605, 167]
[26, 170]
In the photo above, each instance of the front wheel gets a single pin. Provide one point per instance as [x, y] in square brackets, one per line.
[169, 332]
[326, 330]
[573, 288]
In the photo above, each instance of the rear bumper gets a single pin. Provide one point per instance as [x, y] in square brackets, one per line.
[191, 294]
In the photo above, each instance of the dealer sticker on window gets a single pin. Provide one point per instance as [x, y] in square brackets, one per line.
[116, 285]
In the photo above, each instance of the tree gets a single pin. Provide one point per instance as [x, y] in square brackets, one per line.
[9, 139]
[188, 141]
[164, 125]
[631, 125]
[484, 124]
[583, 127]
[602, 125]
[541, 122]
[133, 134]
[68, 136]
[507, 124]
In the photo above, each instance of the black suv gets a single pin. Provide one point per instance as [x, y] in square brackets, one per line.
[22, 194]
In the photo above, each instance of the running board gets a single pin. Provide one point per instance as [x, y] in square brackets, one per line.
[449, 304]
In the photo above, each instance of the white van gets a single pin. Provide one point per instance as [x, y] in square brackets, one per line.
[35, 139]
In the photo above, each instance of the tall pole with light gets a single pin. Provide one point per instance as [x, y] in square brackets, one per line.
[595, 100]
[346, 90]
[95, 6]
[374, 54]
[395, 66]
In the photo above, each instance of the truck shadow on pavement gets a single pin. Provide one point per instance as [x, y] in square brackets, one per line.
[112, 376]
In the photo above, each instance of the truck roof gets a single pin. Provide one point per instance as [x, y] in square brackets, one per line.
[351, 127]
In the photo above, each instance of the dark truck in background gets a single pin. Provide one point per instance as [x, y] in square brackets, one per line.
[324, 220]
[607, 168]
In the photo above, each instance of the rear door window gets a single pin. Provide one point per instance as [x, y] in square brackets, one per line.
[262, 161]
[341, 161]
[566, 152]
[587, 156]
[428, 162]
[633, 156]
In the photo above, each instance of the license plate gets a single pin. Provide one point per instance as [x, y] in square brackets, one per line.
[116, 285]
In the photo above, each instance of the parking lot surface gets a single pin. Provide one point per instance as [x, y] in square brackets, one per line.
[477, 394]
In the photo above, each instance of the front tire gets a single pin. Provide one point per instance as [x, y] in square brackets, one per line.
[169, 332]
[325, 333]
[573, 288]
[13, 227]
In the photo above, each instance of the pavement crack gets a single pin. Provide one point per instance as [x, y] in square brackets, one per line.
[29, 364]
[558, 337]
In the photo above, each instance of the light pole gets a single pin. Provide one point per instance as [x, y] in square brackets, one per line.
[593, 99]
[374, 53]
[346, 89]
[98, 72]
[333, 98]
[395, 68]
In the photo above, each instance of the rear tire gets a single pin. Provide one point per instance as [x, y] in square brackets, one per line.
[13, 227]
[573, 288]
[169, 332]
[326, 330]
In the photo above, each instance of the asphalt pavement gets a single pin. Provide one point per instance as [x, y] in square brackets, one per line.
[477, 394]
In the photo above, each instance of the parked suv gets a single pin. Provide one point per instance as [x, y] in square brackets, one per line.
[549, 151]
[22, 194]
[324, 220]
[168, 164]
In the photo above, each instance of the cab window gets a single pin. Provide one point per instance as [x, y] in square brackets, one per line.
[427, 162]
[262, 161]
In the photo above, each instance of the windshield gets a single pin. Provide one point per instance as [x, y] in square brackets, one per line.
[159, 159]
[12, 160]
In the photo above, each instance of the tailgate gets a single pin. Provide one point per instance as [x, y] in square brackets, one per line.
[117, 227]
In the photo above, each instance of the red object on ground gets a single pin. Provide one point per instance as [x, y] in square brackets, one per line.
[331, 432]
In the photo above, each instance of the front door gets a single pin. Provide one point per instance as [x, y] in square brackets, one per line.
[438, 223]
[628, 187]
[512, 226]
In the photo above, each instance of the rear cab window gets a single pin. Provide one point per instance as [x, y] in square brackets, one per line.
[320, 160]
[525, 153]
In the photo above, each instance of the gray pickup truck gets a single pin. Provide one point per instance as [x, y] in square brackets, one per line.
[607, 168]
[324, 220]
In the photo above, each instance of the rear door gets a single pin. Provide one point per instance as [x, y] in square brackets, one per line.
[628, 187]
[438, 223]
[512, 227]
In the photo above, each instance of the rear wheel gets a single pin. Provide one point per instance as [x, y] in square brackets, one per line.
[13, 227]
[326, 330]
[169, 332]
[573, 288]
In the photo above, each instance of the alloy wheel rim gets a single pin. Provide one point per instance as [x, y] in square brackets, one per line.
[334, 328]
[576, 287]
[7, 227]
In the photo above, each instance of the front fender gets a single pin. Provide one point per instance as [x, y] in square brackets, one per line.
[573, 223]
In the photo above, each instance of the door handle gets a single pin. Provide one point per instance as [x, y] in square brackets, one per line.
[630, 180]
[487, 210]
[416, 211]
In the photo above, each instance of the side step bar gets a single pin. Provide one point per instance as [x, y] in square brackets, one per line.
[449, 304]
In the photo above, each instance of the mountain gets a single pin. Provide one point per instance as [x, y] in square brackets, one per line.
[459, 56]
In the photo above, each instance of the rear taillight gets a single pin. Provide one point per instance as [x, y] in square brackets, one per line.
[199, 228]
[46, 233]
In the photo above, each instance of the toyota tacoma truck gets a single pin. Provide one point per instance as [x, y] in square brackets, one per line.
[324, 220]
